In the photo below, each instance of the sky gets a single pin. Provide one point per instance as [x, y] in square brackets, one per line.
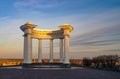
[96, 26]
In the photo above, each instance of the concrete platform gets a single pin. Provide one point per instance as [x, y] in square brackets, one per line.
[46, 65]
[57, 73]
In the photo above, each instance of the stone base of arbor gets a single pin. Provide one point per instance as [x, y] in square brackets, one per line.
[45, 65]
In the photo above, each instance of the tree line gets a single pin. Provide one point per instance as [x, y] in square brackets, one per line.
[103, 62]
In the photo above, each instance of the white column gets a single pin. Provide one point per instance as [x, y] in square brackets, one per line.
[61, 51]
[51, 50]
[66, 49]
[39, 50]
[27, 49]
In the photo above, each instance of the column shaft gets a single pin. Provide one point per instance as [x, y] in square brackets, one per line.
[61, 51]
[51, 50]
[40, 50]
[27, 49]
[66, 50]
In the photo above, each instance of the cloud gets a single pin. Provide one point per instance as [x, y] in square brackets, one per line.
[47, 3]
[45, 8]
[33, 9]
[10, 32]
[4, 18]
[82, 22]
[100, 37]
[38, 3]
[112, 50]
[89, 22]
[10, 37]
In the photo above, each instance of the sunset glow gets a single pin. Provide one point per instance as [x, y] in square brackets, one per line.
[96, 25]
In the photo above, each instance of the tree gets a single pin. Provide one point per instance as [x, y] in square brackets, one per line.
[87, 61]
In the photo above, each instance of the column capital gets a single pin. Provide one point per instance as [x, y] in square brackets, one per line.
[61, 38]
[40, 39]
[28, 25]
[67, 35]
[51, 38]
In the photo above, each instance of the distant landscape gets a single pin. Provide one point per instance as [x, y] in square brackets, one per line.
[109, 62]
[18, 62]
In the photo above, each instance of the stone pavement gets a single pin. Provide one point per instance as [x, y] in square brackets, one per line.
[74, 73]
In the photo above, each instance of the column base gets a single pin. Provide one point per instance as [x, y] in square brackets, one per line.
[65, 65]
[27, 65]
[40, 62]
[30, 65]
[66, 62]
[51, 61]
[45, 65]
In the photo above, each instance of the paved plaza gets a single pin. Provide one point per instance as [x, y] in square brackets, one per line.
[57, 73]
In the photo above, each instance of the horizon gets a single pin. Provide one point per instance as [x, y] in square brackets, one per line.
[96, 26]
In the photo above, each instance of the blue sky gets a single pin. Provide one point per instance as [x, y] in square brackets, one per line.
[96, 25]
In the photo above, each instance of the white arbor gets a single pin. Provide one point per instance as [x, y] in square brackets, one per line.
[62, 33]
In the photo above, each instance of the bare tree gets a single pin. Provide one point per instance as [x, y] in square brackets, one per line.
[87, 61]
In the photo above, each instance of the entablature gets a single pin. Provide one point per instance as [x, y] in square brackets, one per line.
[58, 33]
[47, 34]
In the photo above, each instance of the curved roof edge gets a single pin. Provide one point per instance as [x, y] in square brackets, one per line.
[67, 26]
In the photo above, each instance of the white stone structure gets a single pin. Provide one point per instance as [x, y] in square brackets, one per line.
[62, 33]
